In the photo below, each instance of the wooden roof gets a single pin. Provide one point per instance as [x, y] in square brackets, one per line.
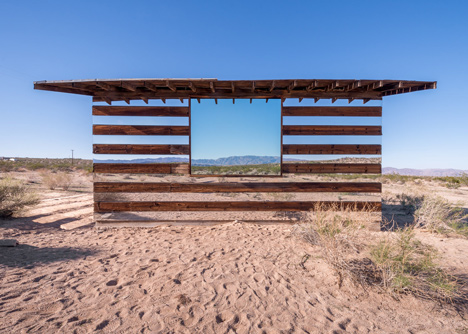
[109, 90]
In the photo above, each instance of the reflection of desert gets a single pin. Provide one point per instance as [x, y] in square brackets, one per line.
[230, 278]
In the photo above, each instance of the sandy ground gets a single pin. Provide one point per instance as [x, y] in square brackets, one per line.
[230, 278]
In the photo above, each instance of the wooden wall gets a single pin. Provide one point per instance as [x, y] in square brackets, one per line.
[114, 195]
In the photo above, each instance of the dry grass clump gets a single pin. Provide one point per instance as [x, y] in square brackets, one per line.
[405, 265]
[54, 180]
[336, 233]
[398, 263]
[14, 197]
[436, 214]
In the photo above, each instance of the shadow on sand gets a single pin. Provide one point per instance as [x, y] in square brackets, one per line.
[26, 256]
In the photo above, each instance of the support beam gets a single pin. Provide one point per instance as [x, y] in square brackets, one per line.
[233, 87]
[128, 86]
[171, 86]
[151, 87]
[212, 87]
[253, 86]
[291, 86]
[192, 87]
[145, 100]
[273, 83]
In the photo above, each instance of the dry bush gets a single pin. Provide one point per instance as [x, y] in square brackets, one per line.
[54, 180]
[398, 263]
[436, 214]
[403, 264]
[14, 197]
[336, 232]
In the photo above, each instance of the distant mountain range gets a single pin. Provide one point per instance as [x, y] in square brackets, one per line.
[258, 160]
[227, 161]
[424, 172]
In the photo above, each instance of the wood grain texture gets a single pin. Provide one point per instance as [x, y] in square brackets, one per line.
[140, 111]
[331, 149]
[317, 168]
[119, 168]
[140, 130]
[233, 206]
[333, 111]
[140, 149]
[237, 187]
[331, 130]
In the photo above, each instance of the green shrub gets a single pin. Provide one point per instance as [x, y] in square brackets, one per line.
[14, 197]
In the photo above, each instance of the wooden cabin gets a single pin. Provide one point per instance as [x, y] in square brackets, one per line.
[138, 201]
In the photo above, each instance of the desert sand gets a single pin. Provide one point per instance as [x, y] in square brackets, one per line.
[230, 278]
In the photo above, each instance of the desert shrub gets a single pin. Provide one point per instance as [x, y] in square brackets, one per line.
[454, 182]
[436, 214]
[397, 264]
[54, 180]
[405, 265]
[14, 197]
[336, 233]
[399, 178]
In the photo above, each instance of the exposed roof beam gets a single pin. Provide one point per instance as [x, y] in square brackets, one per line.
[164, 100]
[192, 87]
[312, 85]
[128, 86]
[352, 86]
[364, 101]
[373, 85]
[198, 100]
[105, 86]
[233, 101]
[233, 87]
[181, 100]
[332, 86]
[145, 99]
[151, 86]
[350, 100]
[171, 86]
[212, 87]
[291, 86]
[266, 100]
[300, 99]
[333, 100]
[273, 83]
[316, 99]
[127, 100]
[253, 86]
[250, 101]
[216, 101]
[109, 101]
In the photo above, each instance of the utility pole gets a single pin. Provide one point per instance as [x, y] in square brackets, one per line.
[72, 157]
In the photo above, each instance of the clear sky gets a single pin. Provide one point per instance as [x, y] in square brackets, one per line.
[408, 40]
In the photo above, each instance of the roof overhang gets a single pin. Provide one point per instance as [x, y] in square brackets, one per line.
[109, 90]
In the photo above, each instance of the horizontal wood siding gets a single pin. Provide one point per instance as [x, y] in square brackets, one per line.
[331, 130]
[140, 111]
[317, 168]
[232, 206]
[333, 111]
[331, 149]
[119, 168]
[140, 149]
[241, 187]
[141, 130]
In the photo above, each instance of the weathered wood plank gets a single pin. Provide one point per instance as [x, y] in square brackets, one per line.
[317, 168]
[331, 130]
[140, 111]
[333, 111]
[140, 130]
[233, 206]
[119, 168]
[238, 187]
[140, 149]
[331, 149]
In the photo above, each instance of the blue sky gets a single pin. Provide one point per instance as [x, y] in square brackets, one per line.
[55, 40]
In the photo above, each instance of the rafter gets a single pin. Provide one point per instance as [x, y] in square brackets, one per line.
[212, 87]
[332, 86]
[164, 100]
[291, 86]
[127, 100]
[198, 100]
[273, 83]
[350, 100]
[253, 86]
[233, 87]
[312, 85]
[105, 86]
[364, 101]
[192, 87]
[145, 99]
[128, 86]
[151, 86]
[316, 99]
[333, 100]
[171, 86]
